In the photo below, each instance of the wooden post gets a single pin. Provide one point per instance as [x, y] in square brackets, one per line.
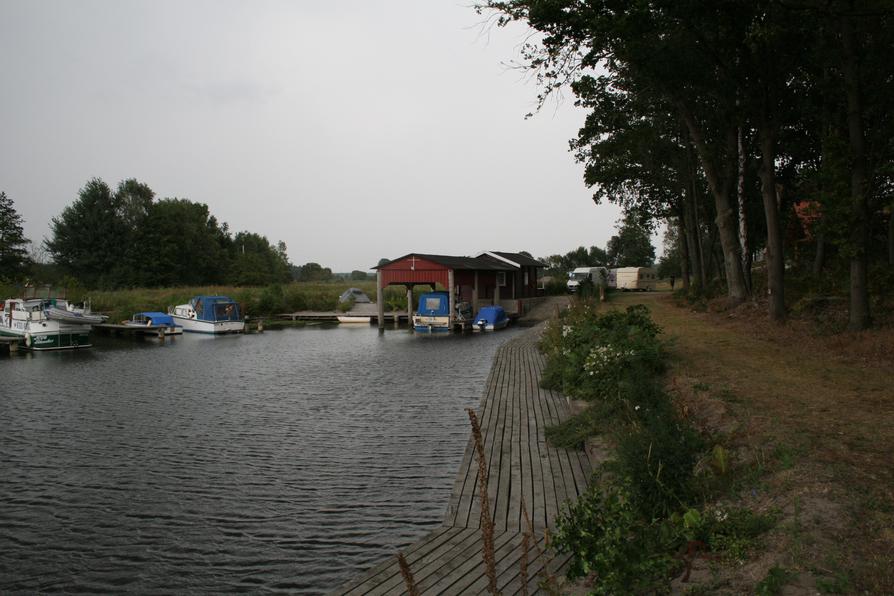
[475, 295]
[13, 347]
[409, 307]
[260, 325]
[161, 334]
[380, 301]
[496, 289]
[452, 301]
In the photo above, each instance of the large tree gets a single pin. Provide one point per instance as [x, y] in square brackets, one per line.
[632, 246]
[14, 261]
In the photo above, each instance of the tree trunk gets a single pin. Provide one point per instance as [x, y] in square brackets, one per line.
[775, 256]
[684, 248]
[743, 217]
[690, 207]
[859, 288]
[720, 189]
[891, 236]
[819, 259]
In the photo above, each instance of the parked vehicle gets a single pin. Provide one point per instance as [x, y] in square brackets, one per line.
[636, 278]
[209, 314]
[490, 318]
[598, 276]
[153, 320]
[46, 324]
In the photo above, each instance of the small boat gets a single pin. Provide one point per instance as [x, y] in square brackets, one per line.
[154, 320]
[46, 324]
[490, 318]
[354, 319]
[209, 314]
[433, 314]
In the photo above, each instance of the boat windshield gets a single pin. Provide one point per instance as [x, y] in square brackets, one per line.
[432, 303]
[226, 311]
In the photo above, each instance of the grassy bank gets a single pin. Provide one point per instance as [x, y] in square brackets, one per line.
[255, 301]
[794, 425]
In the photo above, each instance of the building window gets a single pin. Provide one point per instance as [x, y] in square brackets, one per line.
[501, 278]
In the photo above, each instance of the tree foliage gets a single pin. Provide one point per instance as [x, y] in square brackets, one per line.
[14, 260]
[126, 238]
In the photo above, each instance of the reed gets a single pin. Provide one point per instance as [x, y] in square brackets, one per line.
[412, 590]
[487, 524]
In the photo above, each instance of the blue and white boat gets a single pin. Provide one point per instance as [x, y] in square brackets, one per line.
[490, 318]
[209, 314]
[433, 314]
[154, 320]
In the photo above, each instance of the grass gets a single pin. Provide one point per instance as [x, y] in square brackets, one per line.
[255, 301]
[812, 435]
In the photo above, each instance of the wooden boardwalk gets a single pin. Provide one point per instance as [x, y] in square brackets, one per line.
[522, 468]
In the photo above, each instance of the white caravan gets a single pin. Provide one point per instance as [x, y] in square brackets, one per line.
[636, 278]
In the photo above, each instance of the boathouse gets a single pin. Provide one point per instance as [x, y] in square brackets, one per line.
[493, 277]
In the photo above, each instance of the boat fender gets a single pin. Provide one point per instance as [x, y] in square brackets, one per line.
[28, 340]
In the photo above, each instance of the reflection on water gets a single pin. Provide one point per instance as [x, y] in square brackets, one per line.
[286, 461]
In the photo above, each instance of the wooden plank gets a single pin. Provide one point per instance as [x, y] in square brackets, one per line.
[468, 567]
[386, 568]
[420, 566]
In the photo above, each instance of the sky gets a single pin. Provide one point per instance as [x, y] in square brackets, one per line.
[350, 130]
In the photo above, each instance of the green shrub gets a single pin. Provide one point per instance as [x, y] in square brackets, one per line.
[607, 537]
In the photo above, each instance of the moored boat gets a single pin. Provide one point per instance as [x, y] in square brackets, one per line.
[46, 324]
[153, 320]
[209, 314]
[433, 314]
[490, 318]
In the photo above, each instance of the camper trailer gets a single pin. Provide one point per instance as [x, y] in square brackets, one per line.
[636, 278]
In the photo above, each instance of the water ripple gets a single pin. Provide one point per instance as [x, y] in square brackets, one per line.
[285, 462]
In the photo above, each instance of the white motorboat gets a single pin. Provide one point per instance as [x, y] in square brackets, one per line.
[209, 314]
[46, 324]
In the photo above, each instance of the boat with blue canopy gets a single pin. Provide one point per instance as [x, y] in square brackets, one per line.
[209, 314]
[433, 314]
[490, 318]
[155, 320]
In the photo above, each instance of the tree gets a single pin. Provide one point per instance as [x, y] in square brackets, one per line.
[312, 272]
[86, 239]
[14, 260]
[632, 246]
[358, 275]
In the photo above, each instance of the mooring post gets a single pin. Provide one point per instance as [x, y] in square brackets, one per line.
[161, 334]
[475, 295]
[410, 306]
[260, 325]
[13, 347]
[452, 301]
[380, 301]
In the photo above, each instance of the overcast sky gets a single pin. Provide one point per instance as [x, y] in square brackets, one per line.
[350, 130]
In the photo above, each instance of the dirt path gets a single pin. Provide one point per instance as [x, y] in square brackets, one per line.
[820, 425]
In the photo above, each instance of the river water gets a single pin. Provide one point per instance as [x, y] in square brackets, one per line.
[281, 462]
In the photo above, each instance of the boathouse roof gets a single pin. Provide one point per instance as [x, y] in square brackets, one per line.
[514, 258]
[455, 263]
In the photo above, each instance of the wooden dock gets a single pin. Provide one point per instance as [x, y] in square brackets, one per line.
[522, 468]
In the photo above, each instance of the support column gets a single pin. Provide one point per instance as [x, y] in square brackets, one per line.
[409, 306]
[496, 290]
[475, 295]
[451, 294]
[380, 301]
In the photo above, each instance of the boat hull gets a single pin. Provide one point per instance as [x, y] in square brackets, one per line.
[490, 326]
[209, 327]
[51, 340]
[433, 325]
[175, 330]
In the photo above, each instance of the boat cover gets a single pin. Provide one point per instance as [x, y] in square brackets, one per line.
[157, 318]
[215, 308]
[434, 304]
[491, 315]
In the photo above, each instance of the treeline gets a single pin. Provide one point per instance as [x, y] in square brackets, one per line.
[760, 130]
[127, 238]
[630, 247]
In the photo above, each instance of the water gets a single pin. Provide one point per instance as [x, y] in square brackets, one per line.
[287, 461]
